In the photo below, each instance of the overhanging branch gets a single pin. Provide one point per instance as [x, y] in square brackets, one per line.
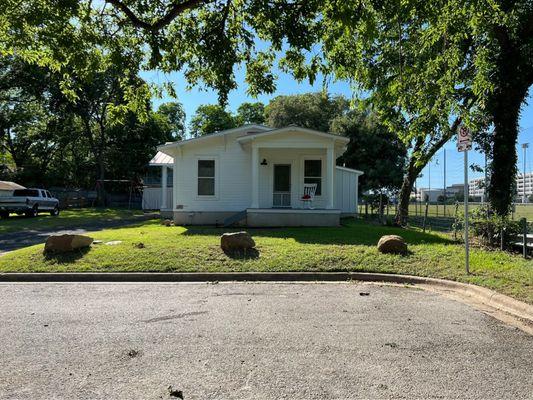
[174, 10]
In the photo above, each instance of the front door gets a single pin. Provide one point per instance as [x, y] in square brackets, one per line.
[282, 185]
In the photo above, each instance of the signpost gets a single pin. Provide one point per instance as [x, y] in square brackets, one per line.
[464, 143]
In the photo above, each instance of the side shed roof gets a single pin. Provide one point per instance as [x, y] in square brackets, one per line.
[161, 159]
[354, 171]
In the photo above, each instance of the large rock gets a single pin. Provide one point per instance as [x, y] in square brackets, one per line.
[236, 241]
[66, 243]
[393, 244]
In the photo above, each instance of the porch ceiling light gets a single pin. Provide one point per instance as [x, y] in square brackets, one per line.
[264, 162]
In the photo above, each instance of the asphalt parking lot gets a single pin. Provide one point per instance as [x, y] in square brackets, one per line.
[253, 341]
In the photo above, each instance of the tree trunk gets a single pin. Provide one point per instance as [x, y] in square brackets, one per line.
[17, 156]
[511, 87]
[402, 212]
[405, 193]
[502, 185]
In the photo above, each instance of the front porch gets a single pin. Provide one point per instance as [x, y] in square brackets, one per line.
[278, 217]
[279, 171]
[260, 217]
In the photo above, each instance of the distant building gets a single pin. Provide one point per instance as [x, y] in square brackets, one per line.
[435, 195]
[431, 195]
[476, 189]
[527, 182]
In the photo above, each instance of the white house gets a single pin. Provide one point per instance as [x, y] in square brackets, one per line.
[256, 175]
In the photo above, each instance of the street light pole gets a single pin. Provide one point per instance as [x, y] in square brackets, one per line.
[445, 196]
[524, 147]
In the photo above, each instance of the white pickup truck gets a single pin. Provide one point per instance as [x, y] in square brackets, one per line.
[29, 202]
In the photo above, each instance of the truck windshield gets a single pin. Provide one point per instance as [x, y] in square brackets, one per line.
[26, 193]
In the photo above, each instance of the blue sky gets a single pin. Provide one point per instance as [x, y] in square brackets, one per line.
[287, 85]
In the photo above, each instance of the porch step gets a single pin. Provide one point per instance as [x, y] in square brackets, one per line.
[235, 218]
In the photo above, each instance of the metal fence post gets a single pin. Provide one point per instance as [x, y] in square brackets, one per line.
[425, 217]
[524, 241]
[502, 239]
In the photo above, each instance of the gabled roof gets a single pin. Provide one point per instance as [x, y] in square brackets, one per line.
[293, 128]
[244, 128]
[254, 131]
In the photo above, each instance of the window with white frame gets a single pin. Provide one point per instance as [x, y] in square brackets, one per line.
[206, 177]
[313, 174]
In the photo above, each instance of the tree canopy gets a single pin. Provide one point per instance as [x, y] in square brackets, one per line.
[428, 67]
[49, 139]
[251, 113]
[210, 118]
[309, 110]
[203, 39]
[173, 115]
[372, 149]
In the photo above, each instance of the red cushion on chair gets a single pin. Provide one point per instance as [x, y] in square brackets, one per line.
[306, 197]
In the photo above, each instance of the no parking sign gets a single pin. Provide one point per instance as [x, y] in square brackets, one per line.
[464, 139]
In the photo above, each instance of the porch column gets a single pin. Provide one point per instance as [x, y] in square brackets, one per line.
[330, 167]
[176, 169]
[164, 187]
[357, 194]
[255, 176]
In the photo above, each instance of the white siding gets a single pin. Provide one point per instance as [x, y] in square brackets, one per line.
[152, 198]
[232, 171]
[346, 186]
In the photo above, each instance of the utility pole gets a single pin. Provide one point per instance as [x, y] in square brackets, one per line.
[444, 194]
[524, 147]
[485, 182]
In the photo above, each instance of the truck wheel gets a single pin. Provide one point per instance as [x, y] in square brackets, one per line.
[32, 213]
[55, 212]
[4, 214]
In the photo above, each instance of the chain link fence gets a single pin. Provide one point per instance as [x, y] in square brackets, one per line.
[516, 235]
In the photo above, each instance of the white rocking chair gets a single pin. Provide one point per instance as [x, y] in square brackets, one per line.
[309, 194]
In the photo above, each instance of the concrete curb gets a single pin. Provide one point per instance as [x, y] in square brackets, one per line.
[485, 296]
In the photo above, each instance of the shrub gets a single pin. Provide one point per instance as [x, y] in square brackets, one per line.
[488, 227]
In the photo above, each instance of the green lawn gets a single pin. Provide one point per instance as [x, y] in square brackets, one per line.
[437, 210]
[351, 247]
[66, 219]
